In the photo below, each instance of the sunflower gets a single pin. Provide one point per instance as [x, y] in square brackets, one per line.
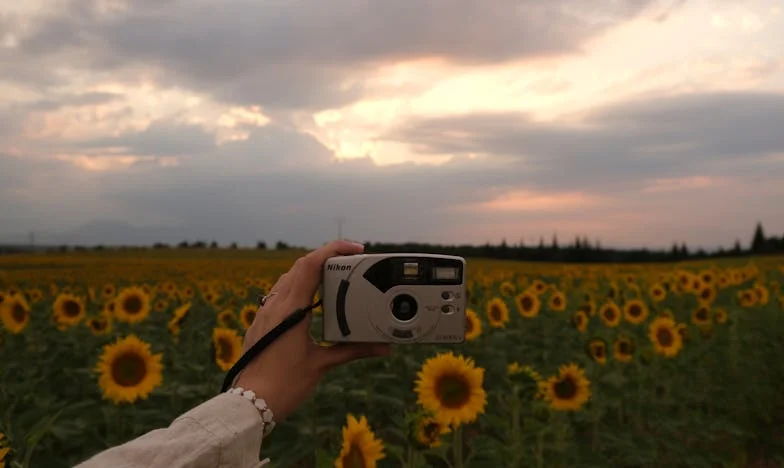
[450, 387]
[15, 314]
[657, 292]
[132, 305]
[665, 337]
[580, 321]
[497, 313]
[610, 314]
[538, 287]
[635, 311]
[747, 298]
[227, 345]
[557, 302]
[527, 380]
[161, 305]
[567, 391]
[720, 315]
[69, 310]
[3, 450]
[35, 295]
[701, 315]
[226, 318]
[248, 315]
[178, 317]
[129, 371]
[597, 350]
[473, 325]
[707, 295]
[108, 291]
[762, 293]
[507, 289]
[623, 349]
[360, 448]
[100, 325]
[707, 276]
[528, 304]
[429, 431]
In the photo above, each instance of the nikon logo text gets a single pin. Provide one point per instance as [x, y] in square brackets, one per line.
[336, 267]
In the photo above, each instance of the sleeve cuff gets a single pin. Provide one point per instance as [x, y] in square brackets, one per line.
[237, 425]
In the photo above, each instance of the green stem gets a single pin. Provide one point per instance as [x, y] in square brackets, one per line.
[457, 447]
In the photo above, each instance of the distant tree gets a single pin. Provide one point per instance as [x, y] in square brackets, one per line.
[555, 242]
[199, 245]
[99, 248]
[261, 245]
[280, 245]
[183, 245]
[675, 252]
[233, 246]
[684, 251]
[758, 243]
[541, 243]
[737, 249]
[213, 245]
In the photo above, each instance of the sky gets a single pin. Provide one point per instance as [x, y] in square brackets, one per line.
[635, 123]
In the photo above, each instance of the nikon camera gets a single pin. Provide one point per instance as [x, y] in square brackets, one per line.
[394, 298]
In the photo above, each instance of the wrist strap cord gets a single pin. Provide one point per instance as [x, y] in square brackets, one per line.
[287, 324]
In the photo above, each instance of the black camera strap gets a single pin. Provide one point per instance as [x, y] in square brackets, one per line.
[287, 324]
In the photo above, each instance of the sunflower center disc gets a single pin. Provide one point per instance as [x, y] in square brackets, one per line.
[71, 309]
[224, 350]
[565, 389]
[133, 305]
[495, 313]
[19, 313]
[623, 347]
[664, 337]
[527, 303]
[452, 391]
[129, 370]
[635, 311]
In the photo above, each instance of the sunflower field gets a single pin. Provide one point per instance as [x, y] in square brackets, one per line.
[660, 365]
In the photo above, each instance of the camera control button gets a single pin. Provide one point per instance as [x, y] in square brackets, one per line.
[447, 309]
[446, 295]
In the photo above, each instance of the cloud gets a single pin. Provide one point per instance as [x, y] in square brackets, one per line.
[302, 54]
[616, 145]
[634, 174]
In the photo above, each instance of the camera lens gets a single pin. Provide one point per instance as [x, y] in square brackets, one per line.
[404, 307]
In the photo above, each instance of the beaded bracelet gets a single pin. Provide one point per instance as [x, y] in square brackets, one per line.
[260, 404]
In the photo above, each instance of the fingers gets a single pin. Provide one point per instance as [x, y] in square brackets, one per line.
[327, 358]
[306, 273]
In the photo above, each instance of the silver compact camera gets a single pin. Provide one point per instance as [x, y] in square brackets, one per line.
[394, 298]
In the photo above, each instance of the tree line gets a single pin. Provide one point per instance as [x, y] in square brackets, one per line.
[579, 250]
[582, 250]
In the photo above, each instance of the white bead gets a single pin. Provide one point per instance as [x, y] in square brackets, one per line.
[249, 394]
[266, 415]
[260, 404]
[238, 390]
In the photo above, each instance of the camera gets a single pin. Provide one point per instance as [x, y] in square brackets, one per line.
[394, 298]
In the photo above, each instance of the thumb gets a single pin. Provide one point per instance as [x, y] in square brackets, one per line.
[327, 358]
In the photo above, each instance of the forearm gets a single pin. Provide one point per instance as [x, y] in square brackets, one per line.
[225, 431]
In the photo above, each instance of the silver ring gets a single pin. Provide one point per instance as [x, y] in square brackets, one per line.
[263, 299]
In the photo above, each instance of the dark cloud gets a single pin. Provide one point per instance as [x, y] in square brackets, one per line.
[300, 54]
[158, 139]
[664, 137]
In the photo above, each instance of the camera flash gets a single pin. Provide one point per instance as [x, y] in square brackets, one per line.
[411, 269]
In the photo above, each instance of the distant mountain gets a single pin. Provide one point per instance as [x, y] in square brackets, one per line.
[108, 233]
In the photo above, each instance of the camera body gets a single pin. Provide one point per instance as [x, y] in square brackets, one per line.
[394, 298]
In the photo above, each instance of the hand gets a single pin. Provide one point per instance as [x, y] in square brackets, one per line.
[287, 371]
